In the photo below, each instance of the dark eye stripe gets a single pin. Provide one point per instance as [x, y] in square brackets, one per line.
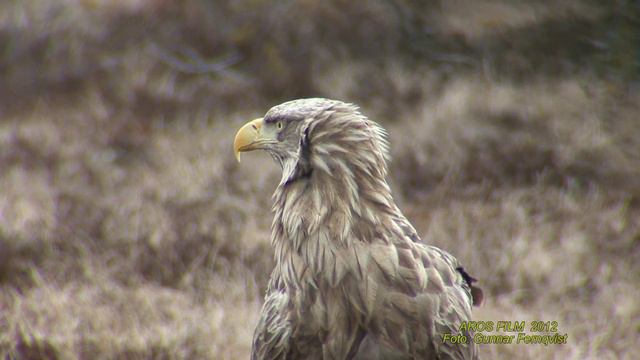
[284, 118]
[271, 120]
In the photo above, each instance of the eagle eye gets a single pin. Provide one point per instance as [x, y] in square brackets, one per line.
[279, 125]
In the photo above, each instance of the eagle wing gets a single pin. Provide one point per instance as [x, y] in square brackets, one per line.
[272, 336]
[421, 293]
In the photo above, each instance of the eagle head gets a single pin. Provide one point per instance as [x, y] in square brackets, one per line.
[316, 134]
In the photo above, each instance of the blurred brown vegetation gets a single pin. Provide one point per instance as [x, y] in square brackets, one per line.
[128, 231]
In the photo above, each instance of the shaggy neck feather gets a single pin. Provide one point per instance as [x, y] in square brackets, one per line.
[346, 187]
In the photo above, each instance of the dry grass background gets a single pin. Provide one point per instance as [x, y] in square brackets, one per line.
[128, 231]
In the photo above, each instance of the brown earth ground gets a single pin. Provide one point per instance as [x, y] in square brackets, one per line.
[128, 230]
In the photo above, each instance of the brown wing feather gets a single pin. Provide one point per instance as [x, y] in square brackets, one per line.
[272, 336]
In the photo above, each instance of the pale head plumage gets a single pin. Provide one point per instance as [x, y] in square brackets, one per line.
[333, 128]
[351, 278]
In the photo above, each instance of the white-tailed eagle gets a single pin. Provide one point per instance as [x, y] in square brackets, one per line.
[352, 279]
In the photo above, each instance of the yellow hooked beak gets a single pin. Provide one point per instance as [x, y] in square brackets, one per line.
[248, 138]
